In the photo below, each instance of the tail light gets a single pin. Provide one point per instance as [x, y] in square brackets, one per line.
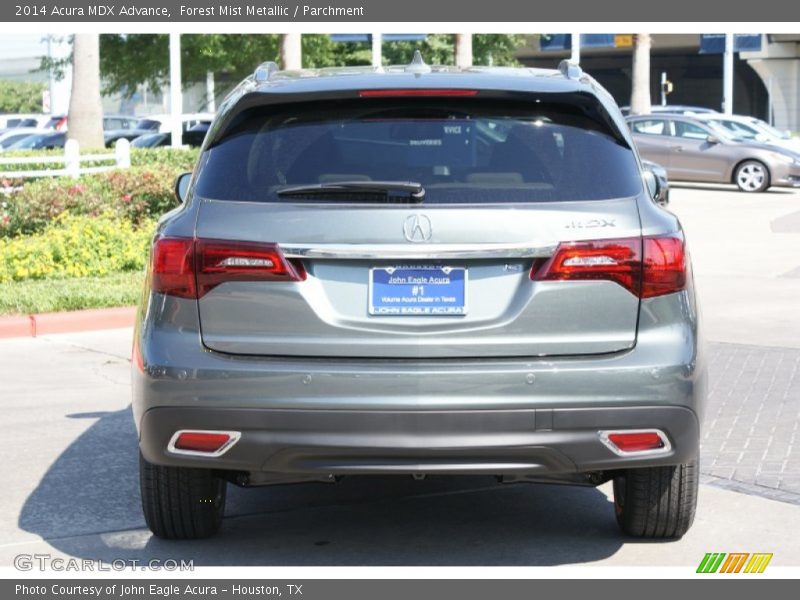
[646, 267]
[190, 268]
[636, 441]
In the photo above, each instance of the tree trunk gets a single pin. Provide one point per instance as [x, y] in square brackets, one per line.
[85, 119]
[640, 92]
[291, 51]
[463, 49]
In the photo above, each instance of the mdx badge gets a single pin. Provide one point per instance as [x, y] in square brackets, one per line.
[417, 228]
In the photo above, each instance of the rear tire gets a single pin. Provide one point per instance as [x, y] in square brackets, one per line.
[656, 502]
[181, 503]
[752, 176]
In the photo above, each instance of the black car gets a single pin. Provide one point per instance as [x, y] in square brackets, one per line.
[40, 141]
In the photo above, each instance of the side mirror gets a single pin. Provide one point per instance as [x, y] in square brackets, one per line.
[182, 186]
[655, 188]
[712, 139]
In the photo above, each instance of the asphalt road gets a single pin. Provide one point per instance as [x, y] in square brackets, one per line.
[70, 478]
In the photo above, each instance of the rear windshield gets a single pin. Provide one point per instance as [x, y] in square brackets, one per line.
[461, 152]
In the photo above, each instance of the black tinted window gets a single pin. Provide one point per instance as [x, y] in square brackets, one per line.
[460, 152]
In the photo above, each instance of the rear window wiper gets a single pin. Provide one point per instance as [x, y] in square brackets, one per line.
[368, 191]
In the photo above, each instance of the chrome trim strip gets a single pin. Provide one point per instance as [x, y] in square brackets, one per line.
[428, 251]
[234, 437]
[663, 436]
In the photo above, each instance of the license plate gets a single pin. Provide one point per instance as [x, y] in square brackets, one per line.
[418, 290]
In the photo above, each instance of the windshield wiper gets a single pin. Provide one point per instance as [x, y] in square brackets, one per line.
[408, 191]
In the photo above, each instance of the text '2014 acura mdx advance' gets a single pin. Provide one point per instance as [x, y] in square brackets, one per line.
[421, 271]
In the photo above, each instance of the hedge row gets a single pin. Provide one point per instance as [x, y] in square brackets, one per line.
[142, 192]
[76, 246]
[180, 159]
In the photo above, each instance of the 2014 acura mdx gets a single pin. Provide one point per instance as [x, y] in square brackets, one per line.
[422, 271]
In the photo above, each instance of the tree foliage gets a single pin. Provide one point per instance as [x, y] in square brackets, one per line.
[21, 96]
[127, 61]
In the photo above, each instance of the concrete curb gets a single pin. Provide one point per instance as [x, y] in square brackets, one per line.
[66, 322]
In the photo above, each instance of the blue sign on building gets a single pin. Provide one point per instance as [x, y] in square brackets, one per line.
[714, 43]
[387, 37]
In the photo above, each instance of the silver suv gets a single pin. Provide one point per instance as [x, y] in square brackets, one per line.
[421, 271]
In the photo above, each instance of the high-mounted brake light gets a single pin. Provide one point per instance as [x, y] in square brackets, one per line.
[399, 93]
[646, 267]
[189, 268]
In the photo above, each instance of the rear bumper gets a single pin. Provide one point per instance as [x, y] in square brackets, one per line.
[306, 418]
[293, 444]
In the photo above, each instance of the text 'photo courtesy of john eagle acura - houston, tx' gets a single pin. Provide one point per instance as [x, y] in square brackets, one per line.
[419, 271]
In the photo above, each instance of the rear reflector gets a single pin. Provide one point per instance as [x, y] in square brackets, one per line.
[646, 267]
[636, 441]
[210, 443]
[189, 268]
[415, 92]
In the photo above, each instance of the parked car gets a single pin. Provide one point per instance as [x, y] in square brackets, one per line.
[674, 109]
[751, 129]
[47, 140]
[191, 137]
[111, 137]
[153, 131]
[161, 122]
[38, 121]
[419, 271]
[117, 122]
[691, 149]
[15, 134]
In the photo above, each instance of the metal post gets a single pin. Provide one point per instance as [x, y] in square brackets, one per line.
[211, 95]
[727, 76]
[72, 158]
[377, 49]
[122, 153]
[663, 85]
[575, 57]
[175, 92]
[770, 110]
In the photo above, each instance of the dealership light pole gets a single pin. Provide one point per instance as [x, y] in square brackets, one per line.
[175, 92]
[727, 76]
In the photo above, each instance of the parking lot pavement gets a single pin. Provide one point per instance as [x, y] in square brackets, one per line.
[71, 489]
[746, 255]
[70, 473]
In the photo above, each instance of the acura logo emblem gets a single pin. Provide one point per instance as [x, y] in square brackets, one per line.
[417, 228]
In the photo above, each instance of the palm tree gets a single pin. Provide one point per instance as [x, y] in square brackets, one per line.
[640, 91]
[463, 49]
[85, 119]
[291, 51]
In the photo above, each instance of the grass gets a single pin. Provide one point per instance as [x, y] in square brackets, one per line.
[50, 295]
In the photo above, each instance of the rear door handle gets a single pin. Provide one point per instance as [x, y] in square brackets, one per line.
[677, 148]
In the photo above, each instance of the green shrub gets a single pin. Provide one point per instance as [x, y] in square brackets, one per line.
[135, 194]
[76, 246]
[145, 190]
[21, 96]
[178, 159]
